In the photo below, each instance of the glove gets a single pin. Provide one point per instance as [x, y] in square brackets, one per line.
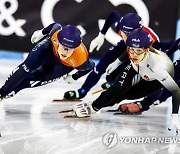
[174, 123]
[83, 109]
[113, 66]
[68, 79]
[37, 35]
[97, 42]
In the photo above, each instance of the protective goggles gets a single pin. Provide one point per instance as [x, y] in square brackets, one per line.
[138, 51]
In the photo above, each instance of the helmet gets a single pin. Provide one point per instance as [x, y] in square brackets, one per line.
[139, 38]
[129, 22]
[70, 36]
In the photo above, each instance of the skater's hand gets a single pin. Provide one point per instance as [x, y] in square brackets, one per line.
[37, 35]
[97, 42]
[175, 123]
[68, 79]
[113, 66]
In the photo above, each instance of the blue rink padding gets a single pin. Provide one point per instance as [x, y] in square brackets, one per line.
[11, 55]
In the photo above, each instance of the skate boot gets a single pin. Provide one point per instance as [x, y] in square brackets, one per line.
[175, 123]
[106, 85]
[71, 95]
[75, 94]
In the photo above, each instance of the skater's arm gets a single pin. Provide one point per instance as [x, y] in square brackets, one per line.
[51, 29]
[113, 18]
[97, 42]
[83, 69]
[38, 35]
[168, 82]
[163, 46]
[174, 47]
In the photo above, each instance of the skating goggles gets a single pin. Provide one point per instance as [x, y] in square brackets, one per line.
[138, 51]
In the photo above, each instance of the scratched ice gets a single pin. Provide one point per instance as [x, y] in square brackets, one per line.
[30, 124]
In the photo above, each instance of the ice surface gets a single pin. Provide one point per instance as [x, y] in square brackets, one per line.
[30, 124]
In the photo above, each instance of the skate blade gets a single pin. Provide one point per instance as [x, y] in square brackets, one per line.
[98, 91]
[119, 113]
[123, 113]
[70, 116]
[65, 111]
[75, 116]
[66, 100]
[112, 110]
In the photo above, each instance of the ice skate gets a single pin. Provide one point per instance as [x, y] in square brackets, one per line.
[80, 110]
[175, 123]
[66, 100]
[106, 85]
